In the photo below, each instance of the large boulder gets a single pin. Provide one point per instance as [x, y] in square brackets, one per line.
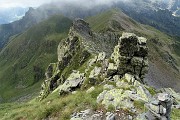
[73, 82]
[115, 97]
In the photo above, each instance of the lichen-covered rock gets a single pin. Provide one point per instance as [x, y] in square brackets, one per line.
[143, 93]
[101, 96]
[94, 75]
[101, 56]
[130, 78]
[130, 56]
[122, 84]
[115, 97]
[92, 61]
[112, 68]
[73, 82]
[106, 86]
[116, 78]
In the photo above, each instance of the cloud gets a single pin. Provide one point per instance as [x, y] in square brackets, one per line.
[22, 3]
[36, 3]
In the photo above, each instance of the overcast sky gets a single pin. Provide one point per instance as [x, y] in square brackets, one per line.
[22, 3]
[36, 3]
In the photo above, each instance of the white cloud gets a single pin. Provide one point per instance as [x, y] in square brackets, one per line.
[22, 3]
[36, 3]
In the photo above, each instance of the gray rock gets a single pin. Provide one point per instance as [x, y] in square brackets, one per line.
[93, 77]
[111, 116]
[87, 115]
[50, 70]
[130, 117]
[115, 97]
[101, 96]
[106, 86]
[101, 56]
[74, 81]
[160, 108]
[130, 78]
[112, 68]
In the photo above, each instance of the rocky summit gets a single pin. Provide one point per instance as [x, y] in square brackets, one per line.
[120, 76]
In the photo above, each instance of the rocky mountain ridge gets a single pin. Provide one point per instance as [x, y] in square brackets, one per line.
[121, 76]
[106, 29]
[88, 81]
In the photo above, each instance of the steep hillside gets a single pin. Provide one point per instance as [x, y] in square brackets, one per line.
[79, 86]
[150, 14]
[164, 57]
[24, 60]
[34, 16]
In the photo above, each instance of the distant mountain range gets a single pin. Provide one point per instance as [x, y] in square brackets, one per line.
[9, 15]
[151, 12]
[172, 5]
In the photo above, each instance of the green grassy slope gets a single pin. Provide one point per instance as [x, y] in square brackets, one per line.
[115, 21]
[24, 60]
[163, 49]
[61, 107]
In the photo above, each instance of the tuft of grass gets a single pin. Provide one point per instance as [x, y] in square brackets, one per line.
[139, 105]
[111, 108]
[151, 90]
[175, 114]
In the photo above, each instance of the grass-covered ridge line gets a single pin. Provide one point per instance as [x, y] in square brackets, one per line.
[24, 60]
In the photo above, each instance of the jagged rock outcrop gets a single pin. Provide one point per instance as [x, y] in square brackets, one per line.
[130, 56]
[82, 65]
[71, 54]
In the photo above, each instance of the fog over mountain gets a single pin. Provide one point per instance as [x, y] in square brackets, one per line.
[9, 15]
[34, 3]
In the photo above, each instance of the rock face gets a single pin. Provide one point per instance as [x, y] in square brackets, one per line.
[130, 56]
[71, 52]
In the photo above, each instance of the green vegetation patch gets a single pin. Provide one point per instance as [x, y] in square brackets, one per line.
[175, 114]
[53, 106]
[24, 60]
